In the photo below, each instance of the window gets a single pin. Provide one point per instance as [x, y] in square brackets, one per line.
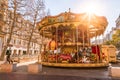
[1, 17]
[14, 41]
[20, 42]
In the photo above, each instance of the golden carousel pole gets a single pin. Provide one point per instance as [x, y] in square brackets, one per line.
[42, 55]
[83, 38]
[88, 35]
[77, 43]
[43, 46]
[88, 26]
[56, 42]
[89, 38]
[96, 45]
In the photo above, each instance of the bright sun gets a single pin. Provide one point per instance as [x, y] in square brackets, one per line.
[91, 8]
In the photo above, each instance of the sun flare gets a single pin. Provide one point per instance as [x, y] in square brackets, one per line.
[91, 8]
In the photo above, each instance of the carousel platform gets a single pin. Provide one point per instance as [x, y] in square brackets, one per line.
[75, 65]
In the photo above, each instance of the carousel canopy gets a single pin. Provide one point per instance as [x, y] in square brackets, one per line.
[96, 25]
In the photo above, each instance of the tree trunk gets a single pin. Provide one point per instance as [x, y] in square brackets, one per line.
[10, 34]
[7, 44]
[31, 34]
[28, 46]
[3, 53]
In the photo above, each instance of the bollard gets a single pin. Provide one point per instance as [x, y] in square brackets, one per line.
[34, 68]
[109, 70]
[8, 68]
[115, 71]
[14, 68]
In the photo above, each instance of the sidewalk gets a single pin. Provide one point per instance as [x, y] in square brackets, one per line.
[26, 63]
[23, 67]
[2, 62]
[52, 73]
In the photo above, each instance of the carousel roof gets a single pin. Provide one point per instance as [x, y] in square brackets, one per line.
[93, 23]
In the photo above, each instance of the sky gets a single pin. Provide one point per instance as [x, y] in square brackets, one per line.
[108, 8]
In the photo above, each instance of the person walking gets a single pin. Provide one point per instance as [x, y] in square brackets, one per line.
[8, 53]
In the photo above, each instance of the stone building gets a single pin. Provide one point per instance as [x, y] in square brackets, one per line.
[118, 22]
[113, 30]
[20, 36]
[21, 32]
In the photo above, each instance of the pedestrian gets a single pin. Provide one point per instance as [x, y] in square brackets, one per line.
[8, 53]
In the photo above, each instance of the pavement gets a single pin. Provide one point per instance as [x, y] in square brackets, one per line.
[52, 73]
[26, 63]
[2, 62]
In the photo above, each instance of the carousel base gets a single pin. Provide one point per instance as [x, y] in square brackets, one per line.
[73, 65]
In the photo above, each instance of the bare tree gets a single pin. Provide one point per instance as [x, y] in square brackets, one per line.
[34, 12]
[15, 7]
[3, 9]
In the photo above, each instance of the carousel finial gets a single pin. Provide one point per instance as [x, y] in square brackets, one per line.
[69, 10]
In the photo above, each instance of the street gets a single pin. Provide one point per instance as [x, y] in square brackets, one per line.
[52, 73]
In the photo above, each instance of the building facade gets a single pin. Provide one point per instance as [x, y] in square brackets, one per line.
[118, 22]
[20, 35]
[113, 31]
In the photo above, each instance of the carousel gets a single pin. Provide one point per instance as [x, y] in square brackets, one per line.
[69, 37]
